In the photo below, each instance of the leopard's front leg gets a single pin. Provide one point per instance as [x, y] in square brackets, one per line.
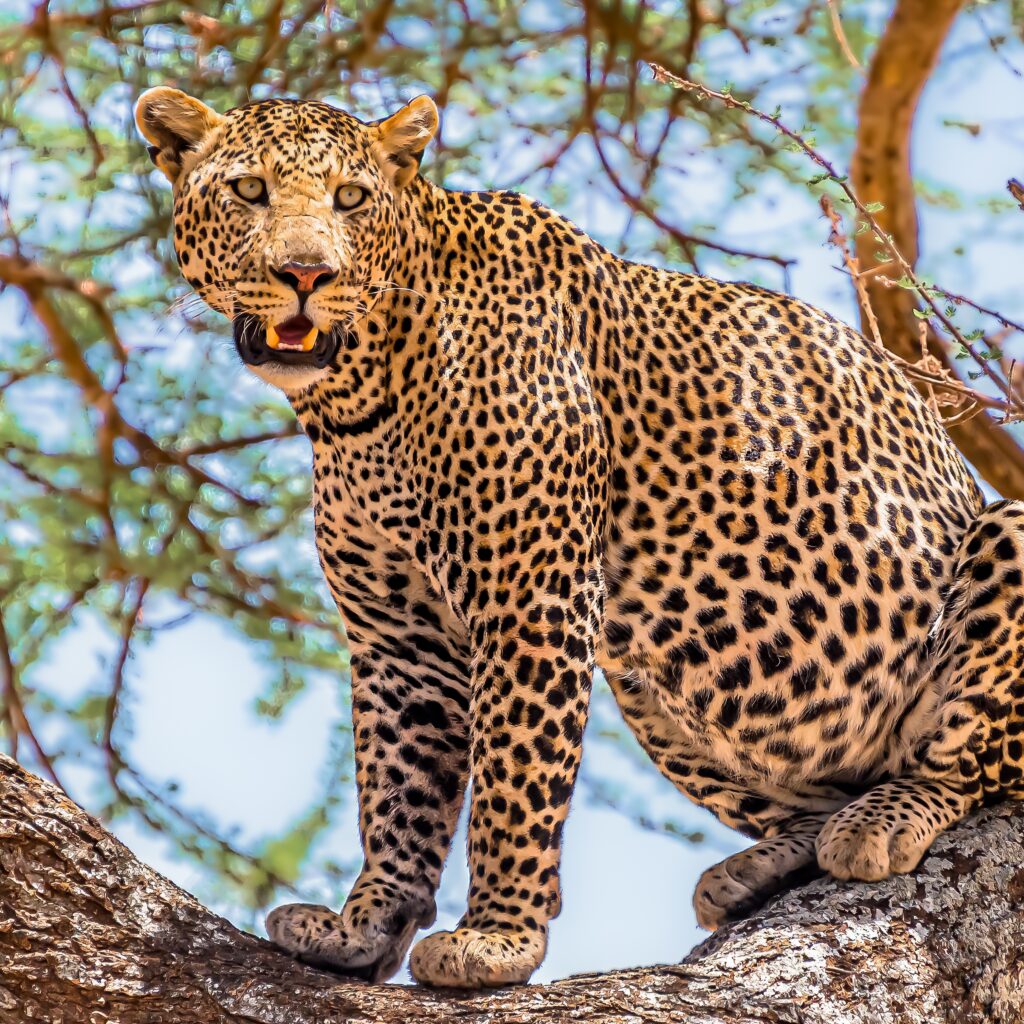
[533, 660]
[410, 708]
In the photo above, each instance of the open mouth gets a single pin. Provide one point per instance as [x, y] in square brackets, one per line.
[295, 342]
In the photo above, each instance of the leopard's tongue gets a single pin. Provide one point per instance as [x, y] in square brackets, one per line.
[297, 335]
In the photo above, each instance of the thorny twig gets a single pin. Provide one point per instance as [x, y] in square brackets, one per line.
[928, 370]
[840, 34]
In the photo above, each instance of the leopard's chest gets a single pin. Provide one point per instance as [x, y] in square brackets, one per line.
[377, 507]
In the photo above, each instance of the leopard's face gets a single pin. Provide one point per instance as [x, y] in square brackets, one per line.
[286, 218]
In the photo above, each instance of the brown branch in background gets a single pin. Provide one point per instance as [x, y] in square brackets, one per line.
[117, 764]
[594, 87]
[34, 280]
[372, 24]
[83, 116]
[88, 498]
[684, 239]
[233, 444]
[996, 41]
[41, 27]
[104, 18]
[44, 627]
[697, 18]
[113, 705]
[208, 32]
[270, 46]
[152, 798]
[881, 175]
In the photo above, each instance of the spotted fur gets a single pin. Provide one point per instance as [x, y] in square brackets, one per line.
[532, 458]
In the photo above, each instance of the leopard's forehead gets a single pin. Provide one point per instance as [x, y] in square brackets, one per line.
[291, 134]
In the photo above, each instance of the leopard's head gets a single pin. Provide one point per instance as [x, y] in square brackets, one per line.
[286, 217]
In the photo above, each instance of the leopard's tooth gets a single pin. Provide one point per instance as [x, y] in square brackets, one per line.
[272, 339]
[310, 340]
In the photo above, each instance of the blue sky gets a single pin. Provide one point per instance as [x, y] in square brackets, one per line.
[627, 891]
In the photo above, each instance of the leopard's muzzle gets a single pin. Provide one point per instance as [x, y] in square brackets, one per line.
[295, 342]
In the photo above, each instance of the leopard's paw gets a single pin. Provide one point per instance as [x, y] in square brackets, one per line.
[887, 830]
[871, 848]
[467, 958]
[368, 939]
[719, 898]
[736, 887]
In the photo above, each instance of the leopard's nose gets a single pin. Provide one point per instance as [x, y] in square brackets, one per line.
[305, 278]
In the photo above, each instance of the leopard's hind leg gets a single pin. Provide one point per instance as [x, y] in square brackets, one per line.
[735, 887]
[785, 820]
[973, 750]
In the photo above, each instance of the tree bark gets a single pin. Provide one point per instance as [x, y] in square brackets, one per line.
[881, 173]
[88, 934]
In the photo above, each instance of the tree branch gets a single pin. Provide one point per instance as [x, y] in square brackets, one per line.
[87, 933]
[881, 173]
[35, 280]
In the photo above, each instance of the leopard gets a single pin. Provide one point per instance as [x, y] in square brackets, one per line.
[534, 460]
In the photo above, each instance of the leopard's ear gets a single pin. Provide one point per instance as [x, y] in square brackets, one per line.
[173, 123]
[404, 136]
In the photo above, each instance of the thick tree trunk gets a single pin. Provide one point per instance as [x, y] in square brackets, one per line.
[881, 173]
[88, 934]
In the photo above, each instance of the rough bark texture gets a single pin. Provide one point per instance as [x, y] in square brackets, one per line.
[881, 173]
[88, 934]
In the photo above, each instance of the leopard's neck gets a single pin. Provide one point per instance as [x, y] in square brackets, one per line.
[472, 313]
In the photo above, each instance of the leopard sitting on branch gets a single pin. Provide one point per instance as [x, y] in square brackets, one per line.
[533, 458]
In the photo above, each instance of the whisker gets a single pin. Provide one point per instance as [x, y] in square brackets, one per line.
[362, 312]
[390, 286]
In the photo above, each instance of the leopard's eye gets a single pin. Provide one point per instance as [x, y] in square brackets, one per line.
[348, 197]
[251, 189]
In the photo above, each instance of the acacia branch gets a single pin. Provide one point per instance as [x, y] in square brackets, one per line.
[231, 444]
[925, 370]
[592, 92]
[117, 764]
[88, 934]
